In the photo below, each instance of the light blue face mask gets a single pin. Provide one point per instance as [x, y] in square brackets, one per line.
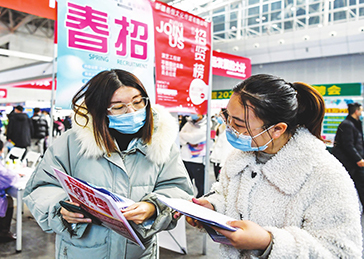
[194, 117]
[219, 120]
[128, 123]
[244, 142]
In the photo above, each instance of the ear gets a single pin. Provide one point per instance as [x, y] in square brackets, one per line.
[279, 129]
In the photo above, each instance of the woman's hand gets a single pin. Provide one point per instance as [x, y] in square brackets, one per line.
[202, 202]
[72, 217]
[249, 235]
[139, 212]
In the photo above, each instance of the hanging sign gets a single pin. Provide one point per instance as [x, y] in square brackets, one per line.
[100, 35]
[228, 65]
[182, 59]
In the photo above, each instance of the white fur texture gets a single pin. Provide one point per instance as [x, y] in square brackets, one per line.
[302, 195]
[164, 135]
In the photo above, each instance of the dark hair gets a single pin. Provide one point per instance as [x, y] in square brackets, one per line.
[1, 145]
[19, 108]
[276, 100]
[353, 107]
[97, 94]
[36, 110]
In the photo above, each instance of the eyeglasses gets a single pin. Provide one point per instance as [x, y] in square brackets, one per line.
[227, 120]
[122, 108]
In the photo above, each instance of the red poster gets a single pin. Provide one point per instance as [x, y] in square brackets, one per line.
[43, 84]
[228, 65]
[182, 59]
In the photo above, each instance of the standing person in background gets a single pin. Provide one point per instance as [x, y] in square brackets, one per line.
[193, 149]
[40, 131]
[121, 143]
[290, 197]
[67, 122]
[20, 128]
[7, 179]
[221, 148]
[349, 146]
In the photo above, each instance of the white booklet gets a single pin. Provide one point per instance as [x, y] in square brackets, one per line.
[98, 202]
[206, 216]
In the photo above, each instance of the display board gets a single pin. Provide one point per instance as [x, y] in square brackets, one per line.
[100, 35]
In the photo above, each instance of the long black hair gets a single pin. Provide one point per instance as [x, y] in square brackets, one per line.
[96, 97]
[275, 100]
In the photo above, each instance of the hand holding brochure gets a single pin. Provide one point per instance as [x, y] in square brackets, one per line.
[100, 203]
[207, 217]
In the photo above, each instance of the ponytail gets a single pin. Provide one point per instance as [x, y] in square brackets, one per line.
[311, 108]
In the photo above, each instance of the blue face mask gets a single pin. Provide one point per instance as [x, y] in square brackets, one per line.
[128, 123]
[244, 142]
[219, 120]
[194, 117]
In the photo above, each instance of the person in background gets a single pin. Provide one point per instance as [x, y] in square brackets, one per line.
[182, 119]
[58, 127]
[20, 128]
[40, 131]
[349, 147]
[67, 122]
[7, 179]
[119, 142]
[192, 138]
[290, 197]
[221, 148]
[47, 117]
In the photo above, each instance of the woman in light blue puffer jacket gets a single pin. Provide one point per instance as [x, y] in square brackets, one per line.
[120, 143]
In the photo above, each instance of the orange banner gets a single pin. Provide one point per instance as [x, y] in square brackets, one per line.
[43, 8]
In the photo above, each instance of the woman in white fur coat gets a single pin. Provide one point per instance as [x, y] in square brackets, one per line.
[289, 196]
[118, 142]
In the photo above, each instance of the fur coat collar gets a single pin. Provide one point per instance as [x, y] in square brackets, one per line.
[164, 135]
[289, 161]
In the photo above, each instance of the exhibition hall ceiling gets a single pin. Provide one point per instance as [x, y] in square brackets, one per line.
[14, 22]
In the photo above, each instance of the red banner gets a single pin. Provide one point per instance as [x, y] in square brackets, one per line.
[182, 59]
[228, 65]
[43, 8]
[43, 84]
[3, 93]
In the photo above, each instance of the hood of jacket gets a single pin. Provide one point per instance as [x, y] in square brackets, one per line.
[164, 136]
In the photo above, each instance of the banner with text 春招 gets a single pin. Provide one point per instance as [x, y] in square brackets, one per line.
[100, 35]
[182, 59]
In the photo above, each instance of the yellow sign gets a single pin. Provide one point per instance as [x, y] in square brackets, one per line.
[336, 110]
[334, 90]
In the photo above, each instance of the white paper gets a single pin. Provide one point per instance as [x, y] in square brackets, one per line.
[198, 212]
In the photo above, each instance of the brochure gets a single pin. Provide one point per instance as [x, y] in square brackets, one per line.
[207, 217]
[100, 203]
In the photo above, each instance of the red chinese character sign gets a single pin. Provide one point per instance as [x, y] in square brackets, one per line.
[99, 35]
[228, 65]
[182, 59]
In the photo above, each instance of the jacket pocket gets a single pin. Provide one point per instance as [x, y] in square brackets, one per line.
[70, 251]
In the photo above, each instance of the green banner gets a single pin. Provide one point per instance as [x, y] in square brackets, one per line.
[221, 94]
[350, 89]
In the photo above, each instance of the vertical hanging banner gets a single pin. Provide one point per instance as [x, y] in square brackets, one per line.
[182, 59]
[99, 35]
